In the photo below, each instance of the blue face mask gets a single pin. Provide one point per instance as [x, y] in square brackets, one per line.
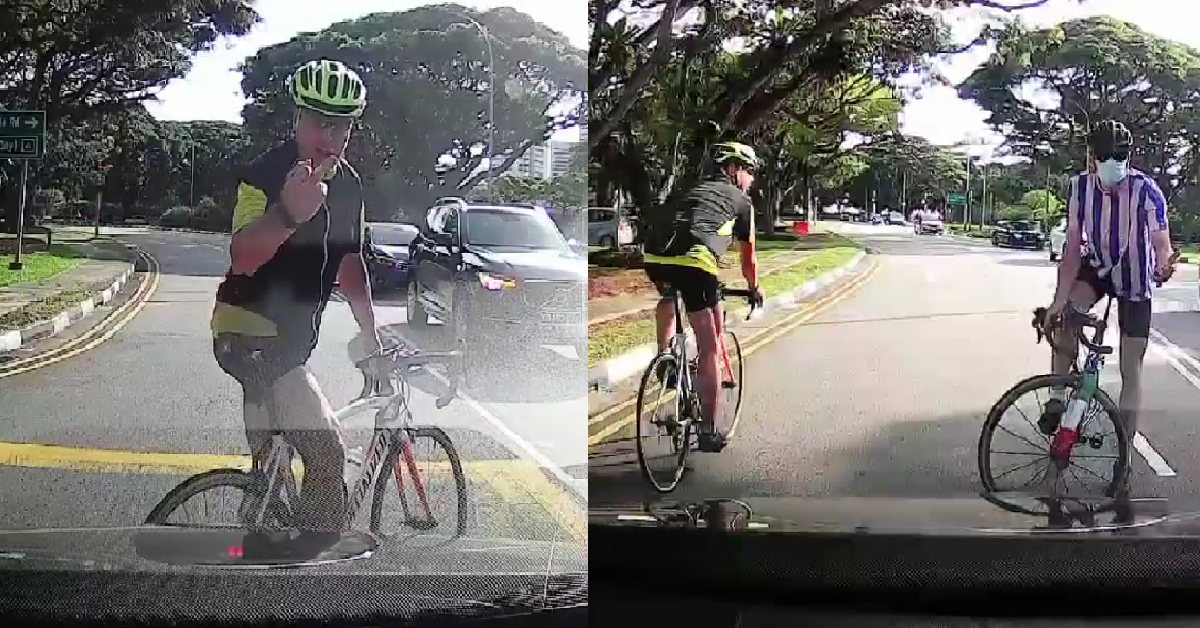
[1111, 172]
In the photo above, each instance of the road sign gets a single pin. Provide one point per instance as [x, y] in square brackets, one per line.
[956, 198]
[22, 134]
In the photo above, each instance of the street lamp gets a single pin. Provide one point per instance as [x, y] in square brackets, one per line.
[487, 38]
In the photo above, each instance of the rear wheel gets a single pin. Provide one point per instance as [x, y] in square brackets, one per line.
[663, 443]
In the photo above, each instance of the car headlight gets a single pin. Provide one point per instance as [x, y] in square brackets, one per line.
[494, 282]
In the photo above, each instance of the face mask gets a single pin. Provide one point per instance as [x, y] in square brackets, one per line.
[1111, 172]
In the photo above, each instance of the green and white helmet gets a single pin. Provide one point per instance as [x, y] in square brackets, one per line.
[328, 87]
[735, 153]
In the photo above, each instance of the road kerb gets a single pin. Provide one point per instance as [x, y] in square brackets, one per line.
[630, 364]
[618, 413]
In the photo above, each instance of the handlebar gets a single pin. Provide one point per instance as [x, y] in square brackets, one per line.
[746, 293]
[402, 358]
[1078, 321]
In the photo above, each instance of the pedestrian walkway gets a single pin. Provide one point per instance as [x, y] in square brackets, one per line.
[610, 308]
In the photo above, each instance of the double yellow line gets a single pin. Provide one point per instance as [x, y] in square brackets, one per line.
[785, 326]
[103, 330]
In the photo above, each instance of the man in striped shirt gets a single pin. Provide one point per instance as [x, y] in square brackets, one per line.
[1118, 244]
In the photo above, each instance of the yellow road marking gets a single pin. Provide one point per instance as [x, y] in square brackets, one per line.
[785, 327]
[515, 480]
[120, 318]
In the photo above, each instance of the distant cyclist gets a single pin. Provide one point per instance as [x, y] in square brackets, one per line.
[1122, 214]
[297, 229]
[682, 254]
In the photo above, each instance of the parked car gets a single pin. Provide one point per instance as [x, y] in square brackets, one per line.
[387, 253]
[896, 218]
[606, 229]
[498, 273]
[1058, 240]
[1018, 234]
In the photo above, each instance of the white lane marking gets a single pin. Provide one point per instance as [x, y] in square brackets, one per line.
[1176, 357]
[1154, 459]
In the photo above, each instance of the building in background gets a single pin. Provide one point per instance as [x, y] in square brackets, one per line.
[547, 160]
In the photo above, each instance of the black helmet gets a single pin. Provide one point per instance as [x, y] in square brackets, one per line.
[1110, 136]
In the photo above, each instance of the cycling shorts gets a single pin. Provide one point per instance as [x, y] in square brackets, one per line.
[699, 289]
[258, 362]
[1133, 317]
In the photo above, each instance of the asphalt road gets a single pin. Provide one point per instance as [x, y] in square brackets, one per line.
[884, 394]
[120, 424]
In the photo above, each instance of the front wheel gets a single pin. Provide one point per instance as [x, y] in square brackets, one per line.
[1090, 435]
[674, 429]
[411, 487]
[732, 379]
[247, 485]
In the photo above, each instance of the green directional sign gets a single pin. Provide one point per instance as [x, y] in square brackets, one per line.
[956, 199]
[22, 134]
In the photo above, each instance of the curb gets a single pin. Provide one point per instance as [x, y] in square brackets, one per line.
[17, 338]
[613, 371]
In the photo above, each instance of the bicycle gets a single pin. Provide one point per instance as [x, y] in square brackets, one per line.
[269, 487]
[1069, 432]
[679, 426]
[1073, 514]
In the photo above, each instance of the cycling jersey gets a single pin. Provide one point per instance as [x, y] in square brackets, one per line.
[286, 297]
[704, 222]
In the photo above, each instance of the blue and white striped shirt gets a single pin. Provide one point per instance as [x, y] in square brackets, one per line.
[1116, 224]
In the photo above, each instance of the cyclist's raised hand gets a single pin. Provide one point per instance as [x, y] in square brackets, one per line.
[305, 188]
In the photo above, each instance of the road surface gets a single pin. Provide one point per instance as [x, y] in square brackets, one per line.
[884, 394]
[99, 438]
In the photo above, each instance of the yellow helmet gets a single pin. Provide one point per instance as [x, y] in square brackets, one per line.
[328, 87]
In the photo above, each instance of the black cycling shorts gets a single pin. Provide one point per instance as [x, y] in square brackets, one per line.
[1133, 317]
[257, 363]
[699, 288]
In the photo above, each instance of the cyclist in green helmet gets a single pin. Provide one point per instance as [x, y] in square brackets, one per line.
[297, 232]
[682, 254]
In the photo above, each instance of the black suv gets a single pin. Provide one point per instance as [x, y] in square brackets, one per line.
[498, 273]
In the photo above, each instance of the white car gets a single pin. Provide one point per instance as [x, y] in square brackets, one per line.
[1058, 240]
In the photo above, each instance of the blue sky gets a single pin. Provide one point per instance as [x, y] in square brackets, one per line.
[943, 118]
[212, 90]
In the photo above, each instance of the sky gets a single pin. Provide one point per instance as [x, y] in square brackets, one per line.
[943, 118]
[212, 90]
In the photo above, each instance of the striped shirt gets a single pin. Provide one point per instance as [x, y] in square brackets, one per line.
[1116, 226]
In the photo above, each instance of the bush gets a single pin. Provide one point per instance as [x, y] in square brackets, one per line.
[624, 258]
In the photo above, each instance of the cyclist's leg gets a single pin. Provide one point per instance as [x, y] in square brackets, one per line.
[1133, 318]
[309, 424]
[1065, 350]
[700, 291]
[664, 313]
[240, 357]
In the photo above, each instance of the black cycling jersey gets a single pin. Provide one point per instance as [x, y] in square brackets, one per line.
[287, 296]
[703, 224]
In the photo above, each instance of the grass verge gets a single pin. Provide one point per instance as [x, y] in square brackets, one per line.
[39, 262]
[44, 308]
[612, 338]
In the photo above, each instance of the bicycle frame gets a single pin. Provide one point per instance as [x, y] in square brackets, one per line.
[1093, 363]
[680, 337]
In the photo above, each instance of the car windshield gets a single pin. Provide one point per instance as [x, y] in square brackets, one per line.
[501, 228]
[1022, 225]
[392, 234]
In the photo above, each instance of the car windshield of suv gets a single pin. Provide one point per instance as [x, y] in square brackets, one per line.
[498, 228]
[392, 234]
[1022, 225]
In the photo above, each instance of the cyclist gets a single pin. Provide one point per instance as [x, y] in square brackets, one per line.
[1122, 215]
[682, 255]
[297, 229]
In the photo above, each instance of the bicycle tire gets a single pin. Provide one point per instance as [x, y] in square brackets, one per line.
[201, 482]
[733, 348]
[681, 452]
[1124, 440]
[393, 458]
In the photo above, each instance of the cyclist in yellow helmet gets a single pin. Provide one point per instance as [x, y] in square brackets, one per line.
[681, 254]
[297, 231]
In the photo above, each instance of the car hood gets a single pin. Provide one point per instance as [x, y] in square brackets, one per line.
[392, 250]
[1020, 231]
[529, 263]
[188, 549]
[991, 514]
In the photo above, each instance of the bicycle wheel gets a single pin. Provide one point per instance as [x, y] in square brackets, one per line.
[679, 432]
[1070, 382]
[732, 387]
[415, 515]
[279, 516]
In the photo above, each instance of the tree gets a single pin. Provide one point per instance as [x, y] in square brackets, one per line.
[564, 191]
[82, 60]
[425, 130]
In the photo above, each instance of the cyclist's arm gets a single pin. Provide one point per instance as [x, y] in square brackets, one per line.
[1068, 268]
[354, 281]
[743, 231]
[1160, 233]
[258, 230]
